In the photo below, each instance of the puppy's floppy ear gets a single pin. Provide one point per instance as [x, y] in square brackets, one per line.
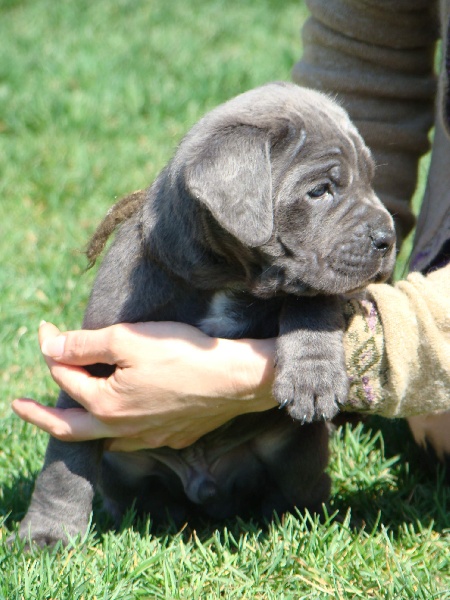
[232, 177]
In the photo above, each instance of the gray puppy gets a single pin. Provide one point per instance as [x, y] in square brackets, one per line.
[262, 218]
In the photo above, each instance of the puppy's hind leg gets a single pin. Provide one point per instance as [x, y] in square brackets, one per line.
[154, 492]
[295, 460]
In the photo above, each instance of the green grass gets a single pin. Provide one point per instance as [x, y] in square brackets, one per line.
[94, 96]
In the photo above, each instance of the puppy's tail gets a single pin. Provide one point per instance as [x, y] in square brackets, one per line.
[121, 211]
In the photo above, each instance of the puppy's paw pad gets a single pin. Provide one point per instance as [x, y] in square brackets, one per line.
[329, 396]
[293, 399]
[307, 397]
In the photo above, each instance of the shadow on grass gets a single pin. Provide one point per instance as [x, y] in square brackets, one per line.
[15, 498]
[413, 501]
[418, 495]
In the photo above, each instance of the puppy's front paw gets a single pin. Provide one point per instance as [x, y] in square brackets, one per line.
[311, 391]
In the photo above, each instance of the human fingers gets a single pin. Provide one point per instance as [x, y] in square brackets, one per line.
[93, 393]
[77, 425]
[82, 347]
[432, 431]
[69, 425]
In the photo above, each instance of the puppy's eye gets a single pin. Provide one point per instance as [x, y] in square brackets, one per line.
[320, 190]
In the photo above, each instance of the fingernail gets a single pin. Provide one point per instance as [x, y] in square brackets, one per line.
[42, 323]
[54, 347]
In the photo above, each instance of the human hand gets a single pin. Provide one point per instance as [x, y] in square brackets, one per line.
[172, 384]
[433, 432]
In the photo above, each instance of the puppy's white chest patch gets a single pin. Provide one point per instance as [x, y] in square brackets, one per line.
[224, 318]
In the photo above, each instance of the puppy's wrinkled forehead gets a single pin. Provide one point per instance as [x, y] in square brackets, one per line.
[290, 114]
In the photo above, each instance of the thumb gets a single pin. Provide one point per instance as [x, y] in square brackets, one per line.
[49, 336]
[80, 348]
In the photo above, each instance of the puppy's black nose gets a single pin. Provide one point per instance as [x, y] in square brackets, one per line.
[382, 238]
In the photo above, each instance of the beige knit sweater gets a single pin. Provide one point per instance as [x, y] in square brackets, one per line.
[398, 346]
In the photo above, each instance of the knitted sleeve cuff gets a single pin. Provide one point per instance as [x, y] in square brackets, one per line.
[366, 360]
[397, 346]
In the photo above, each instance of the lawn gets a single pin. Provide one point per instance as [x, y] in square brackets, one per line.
[94, 97]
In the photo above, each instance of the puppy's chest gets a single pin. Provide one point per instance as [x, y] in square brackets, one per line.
[233, 316]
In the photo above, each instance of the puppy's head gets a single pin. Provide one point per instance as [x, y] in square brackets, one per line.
[282, 170]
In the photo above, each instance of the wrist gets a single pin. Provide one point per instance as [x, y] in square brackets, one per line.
[249, 370]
